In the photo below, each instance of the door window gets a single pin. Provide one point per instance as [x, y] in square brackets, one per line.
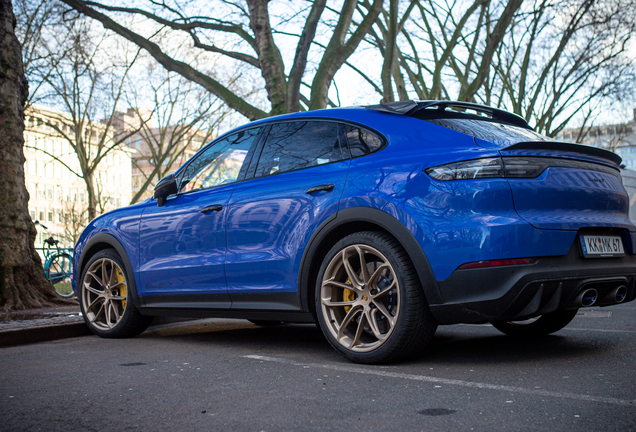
[219, 164]
[296, 145]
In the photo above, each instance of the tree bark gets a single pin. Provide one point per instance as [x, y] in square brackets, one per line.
[269, 57]
[91, 195]
[22, 280]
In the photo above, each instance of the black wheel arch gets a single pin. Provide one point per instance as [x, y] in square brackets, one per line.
[351, 220]
[107, 241]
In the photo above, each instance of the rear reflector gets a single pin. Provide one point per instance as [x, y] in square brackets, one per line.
[498, 263]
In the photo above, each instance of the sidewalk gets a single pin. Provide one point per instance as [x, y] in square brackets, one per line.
[39, 325]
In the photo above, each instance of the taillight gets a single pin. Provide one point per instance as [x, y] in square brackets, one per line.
[510, 167]
[467, 170]
[498, 263]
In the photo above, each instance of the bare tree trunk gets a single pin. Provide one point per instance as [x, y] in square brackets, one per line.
[22, 280]
[92, 195]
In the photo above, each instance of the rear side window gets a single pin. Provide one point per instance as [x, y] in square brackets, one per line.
[292, 146]
[361, 142]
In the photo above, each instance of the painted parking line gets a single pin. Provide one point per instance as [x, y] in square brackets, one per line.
[599, 330]
[447, 381]
[489, 326]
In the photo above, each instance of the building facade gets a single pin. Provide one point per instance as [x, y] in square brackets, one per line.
[57, 196]
[619, 138]
[179, 143]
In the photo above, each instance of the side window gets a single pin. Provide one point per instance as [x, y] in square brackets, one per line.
[361, 142]
[220, 164]
[295, 145]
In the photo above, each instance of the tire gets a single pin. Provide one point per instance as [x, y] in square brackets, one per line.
[544, 325]
[265, 323]
[106, 303]
[59, 274]
[375, 317]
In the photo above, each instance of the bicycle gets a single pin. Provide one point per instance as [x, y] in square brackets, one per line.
[58, 266]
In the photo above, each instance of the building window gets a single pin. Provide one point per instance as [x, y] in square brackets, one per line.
[41, 215]
[50, 218]
[117, 201]
[50, 194]
[32, 213]
[59, 217]
[81, 196]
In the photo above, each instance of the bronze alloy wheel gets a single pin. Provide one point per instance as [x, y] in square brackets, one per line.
[360, 298]
[104, 294]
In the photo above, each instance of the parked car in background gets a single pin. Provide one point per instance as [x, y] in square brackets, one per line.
[379, 223]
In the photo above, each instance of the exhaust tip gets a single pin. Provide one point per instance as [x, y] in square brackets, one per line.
[589, 297]
[620, 294]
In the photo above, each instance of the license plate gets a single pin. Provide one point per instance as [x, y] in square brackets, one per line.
[601, 246]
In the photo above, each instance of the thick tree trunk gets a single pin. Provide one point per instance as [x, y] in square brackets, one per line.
[22, 280]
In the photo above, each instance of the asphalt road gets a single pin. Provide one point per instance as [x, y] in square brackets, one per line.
[232, 375]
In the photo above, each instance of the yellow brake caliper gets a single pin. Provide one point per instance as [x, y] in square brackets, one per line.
[122, 288]
[348, 295]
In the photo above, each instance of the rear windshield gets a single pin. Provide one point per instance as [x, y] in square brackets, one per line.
[488, 130]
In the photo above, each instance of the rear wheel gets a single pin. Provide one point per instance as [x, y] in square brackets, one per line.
[105, 298]
[541, 326]
[369, 301]
[59, 274]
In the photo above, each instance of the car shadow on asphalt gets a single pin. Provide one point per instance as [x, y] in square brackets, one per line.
[456, 347]
[452, 345]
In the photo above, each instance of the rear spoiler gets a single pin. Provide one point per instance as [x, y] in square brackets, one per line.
[425, 110]
[569, 147]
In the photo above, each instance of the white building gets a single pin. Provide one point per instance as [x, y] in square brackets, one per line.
[58, 197]
[619, 138]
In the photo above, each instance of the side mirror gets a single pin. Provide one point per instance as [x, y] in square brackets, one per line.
[167, 186]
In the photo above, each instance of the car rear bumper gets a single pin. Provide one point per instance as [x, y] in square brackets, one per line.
[524, 291]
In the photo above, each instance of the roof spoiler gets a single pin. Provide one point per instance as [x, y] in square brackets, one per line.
[569, 147]
[438, 109]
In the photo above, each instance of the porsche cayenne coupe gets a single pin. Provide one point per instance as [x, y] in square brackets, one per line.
[378, 223]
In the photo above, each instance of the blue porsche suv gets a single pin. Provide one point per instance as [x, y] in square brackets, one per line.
[378, 223]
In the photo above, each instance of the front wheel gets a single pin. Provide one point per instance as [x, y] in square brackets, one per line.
[105, 298]
[369, 301]
[59, 273]
[541, 326]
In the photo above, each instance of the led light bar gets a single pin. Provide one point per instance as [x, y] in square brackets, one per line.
[510, 167]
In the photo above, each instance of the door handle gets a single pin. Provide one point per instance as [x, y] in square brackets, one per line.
[212, 208]
[325, 187]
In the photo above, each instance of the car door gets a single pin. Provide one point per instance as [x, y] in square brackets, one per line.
[182, 243]
[296, 185]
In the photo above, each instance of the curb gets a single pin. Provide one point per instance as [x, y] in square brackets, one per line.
[35, 334]
[43, 334]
